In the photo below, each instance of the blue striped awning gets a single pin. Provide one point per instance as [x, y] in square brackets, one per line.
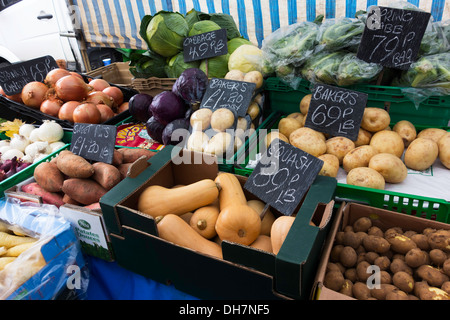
[115, 23]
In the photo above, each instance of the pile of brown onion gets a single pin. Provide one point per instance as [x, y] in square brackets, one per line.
[65, 94]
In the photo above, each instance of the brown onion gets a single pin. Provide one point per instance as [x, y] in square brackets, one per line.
[54, 75]
[15, 97]
[51, 107]
[76, 75]
[66, 110]
[106, 112]
[114, 93]
[87, 113]
[33, 94]
[99, 84]
[123, 107]
[71, 87]
[99, 97]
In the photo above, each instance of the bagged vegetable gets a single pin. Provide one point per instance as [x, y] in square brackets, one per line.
[340, 33]
[435, 39]
[323, 67]
[353, 70]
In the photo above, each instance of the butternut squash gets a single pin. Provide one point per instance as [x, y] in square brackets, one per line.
[238, 223]
[231, 191]
[204, 219]
[174, 229]
[263, 242]
[267, 220]
[279, 231]
[187, 216]
[159, 201]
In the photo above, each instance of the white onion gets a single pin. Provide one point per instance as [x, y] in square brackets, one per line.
[39, 157]
[4, 143]
[4, 149]
[19, 142]
[34, 135]
[50, 131]
[33, 149]
[56, 145]
[26, 129]
[11, 153]
[27, 158]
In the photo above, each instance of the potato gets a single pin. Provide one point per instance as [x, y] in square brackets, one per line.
[421, 154]
[308, 140]
[440, 240]
[85, 191]
[335, 253]
[222, 119]
[400, 243]
[350, 274]
[432, 133]
[385, 277]
[361, 271]
[375, 231]
[375, 119]
[416, 257]
[242, 124]
[362, 224]
[433, 293]
[403, 281]
[433, 276]
[388, 142]
[348, 257]
[197, 141]
[330, 166]
[339, 146]
[397, 294]
[287, 125]
[304, 104]
[382, 262]
[446, 286]
[73, 165]
[334, 280]
[444, 150]
[358, 157]
[332, 267]
[219, 143]
[361, 291]
[235, 74]
[255, 77]
[347, 288]
[253, 110]
[201, 119]
[437, 257]
[364, 137]
[446, 267]
[398, 265]
[389, 166]
[237, 143]
[272, 135]
[421, 241]
[106, 175]
[406, 130]
[48, 176]
[352, 239]
[381, 292]
[365, 177]
[371, 256]
[376, 244]
[297, 116]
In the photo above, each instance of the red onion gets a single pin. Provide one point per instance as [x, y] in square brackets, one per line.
[33, 94]
[72, 88]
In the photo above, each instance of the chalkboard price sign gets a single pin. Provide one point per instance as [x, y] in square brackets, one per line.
[392, 36]
[206, 45]
[231, 94]
[336, 111]
[94, 141]
[283, 176]
[14, 77]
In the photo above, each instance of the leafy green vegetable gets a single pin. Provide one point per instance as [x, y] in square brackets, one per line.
[216, 67]
[176, 65]
[353, 70]
[147, 64]
[337, 34]
[235, 43]
[203, 26]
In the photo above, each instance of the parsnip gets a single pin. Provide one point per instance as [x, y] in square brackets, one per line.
[17, 250]
[6, 260]
[9, 240]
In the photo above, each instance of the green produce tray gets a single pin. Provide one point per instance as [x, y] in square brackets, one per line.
[434, 111]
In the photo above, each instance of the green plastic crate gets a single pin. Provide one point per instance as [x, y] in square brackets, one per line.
[434, 111]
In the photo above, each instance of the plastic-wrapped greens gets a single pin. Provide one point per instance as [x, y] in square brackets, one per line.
[435, 40]
[340, 33]
[353, 70]
[323, 67]
[428, 71]
[290, 45]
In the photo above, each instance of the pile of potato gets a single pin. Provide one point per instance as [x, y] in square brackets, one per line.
[70, 179]
[380, 154]
[413, 265]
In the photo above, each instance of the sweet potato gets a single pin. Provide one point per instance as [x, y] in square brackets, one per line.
[131, 155]
[47, 197]
[85, 191]
[74, 166]
[93, 206]
[117, 158]
[48, 176]
[123, 169]
[106, 175]
[69, 200]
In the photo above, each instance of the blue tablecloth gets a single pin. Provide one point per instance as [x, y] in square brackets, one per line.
[109, 281]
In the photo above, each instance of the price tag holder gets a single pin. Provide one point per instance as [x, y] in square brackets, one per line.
[392, 36]
[94, 141]
[231, 94]
[14, 77]
[336, 111]
[283, 176]
[206, 45]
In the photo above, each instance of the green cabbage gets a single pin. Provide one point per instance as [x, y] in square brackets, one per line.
[176, 65]
[165, 32]
[235, 43]
[202, 27]
[217, 66]
[246, 58]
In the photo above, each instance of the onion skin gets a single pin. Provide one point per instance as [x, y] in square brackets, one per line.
[15, 97]
[99, 97]
[115, 93]
[51, 107]
[99, 84]
[72, 88]
[66, 110]
[33, 94]
[106, 112]
[54, 75]
[123, 107]
[87, 113]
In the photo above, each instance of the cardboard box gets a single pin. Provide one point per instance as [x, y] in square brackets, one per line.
[244, 273]
[384, 219]
[117, 73]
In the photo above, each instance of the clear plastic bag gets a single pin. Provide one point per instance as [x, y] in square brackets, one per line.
[52, 265]
[353, 70]
[323, 67]
[340, 33]
[436, 38]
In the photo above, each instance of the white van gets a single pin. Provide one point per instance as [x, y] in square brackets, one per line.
[34, 28]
